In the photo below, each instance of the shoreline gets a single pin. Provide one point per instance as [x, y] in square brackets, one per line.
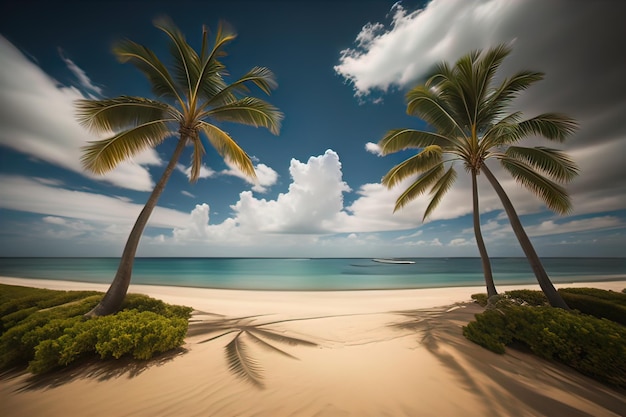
[375, 352]
[236, 301]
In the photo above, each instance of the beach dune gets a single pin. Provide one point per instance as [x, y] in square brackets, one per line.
[349, 353]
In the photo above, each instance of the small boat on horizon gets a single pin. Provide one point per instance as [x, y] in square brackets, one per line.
[392, 261]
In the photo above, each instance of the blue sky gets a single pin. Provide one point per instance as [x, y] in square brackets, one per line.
[343, 69]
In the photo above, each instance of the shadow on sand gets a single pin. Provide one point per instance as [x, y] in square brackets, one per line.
[91, 369]
[245, 332]
[517, 375]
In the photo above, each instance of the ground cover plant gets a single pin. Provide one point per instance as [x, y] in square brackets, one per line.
[587, 338]
[46, 329]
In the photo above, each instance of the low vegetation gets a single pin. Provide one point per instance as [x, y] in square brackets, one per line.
[46, 329]
[591, 338]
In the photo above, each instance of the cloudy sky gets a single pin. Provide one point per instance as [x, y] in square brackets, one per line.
[343, 69]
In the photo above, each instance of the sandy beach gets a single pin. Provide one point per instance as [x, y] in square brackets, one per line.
[348, 353]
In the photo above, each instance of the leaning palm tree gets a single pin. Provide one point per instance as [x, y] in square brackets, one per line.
[467, 111]
[192, 95]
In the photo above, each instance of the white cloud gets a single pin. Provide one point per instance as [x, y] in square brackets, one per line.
[54, 220]
[460, 242]
[205, 171]
[187, 193]
[550, 227]
[265, 176]
[404, 51]
[56, 203]
[82, 77]
[40, 121]
[372, 147]
[313, 203]
[411, 236]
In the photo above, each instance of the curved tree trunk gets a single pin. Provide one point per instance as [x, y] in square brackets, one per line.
[548, 289]
[484, 257]
[117, 291]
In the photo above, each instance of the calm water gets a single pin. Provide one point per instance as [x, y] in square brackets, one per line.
[313, 274]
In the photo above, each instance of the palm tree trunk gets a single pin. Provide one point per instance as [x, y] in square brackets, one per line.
[484, 257]
[554, 298]
[116, 293]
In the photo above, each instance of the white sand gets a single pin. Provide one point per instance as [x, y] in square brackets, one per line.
[368, 360]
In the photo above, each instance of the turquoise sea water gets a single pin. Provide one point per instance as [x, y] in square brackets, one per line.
[313, 274]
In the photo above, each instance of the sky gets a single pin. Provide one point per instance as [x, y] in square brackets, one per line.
[343, 69]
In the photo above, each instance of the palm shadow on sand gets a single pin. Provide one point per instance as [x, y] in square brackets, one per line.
[91, 368]
[245, 332]
[439, 331]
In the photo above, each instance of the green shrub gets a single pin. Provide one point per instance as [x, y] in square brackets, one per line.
[481, 299]
[593, 346]
[46, 334]
[133, 333]
[15, 298]
[599, 303]
[530, 297]
[611, 296]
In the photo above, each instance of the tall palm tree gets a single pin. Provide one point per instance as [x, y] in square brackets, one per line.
[467, 111]
[192, 95]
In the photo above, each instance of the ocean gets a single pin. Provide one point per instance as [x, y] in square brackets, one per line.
[316, 274]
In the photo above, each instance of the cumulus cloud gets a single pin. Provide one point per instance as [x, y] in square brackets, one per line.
[29, 126]
[313, 203]
[265, 176]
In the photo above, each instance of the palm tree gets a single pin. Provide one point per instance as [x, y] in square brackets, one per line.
[467, 111]
[194, 96]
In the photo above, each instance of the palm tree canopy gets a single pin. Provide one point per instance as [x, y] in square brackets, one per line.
[467, 111]
[191, 96]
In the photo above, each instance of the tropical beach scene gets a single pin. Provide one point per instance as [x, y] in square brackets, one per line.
[312, 208]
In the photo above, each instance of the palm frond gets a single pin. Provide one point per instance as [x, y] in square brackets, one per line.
[103, 155]
[554, 196]
[400, 139]
[196, 158]
[249, 111]
[112, 115]
[186, 62]
[552, 162]
[553, 126]
[496, 103]
[211, 81]
[240, 362]
[439, 189]
[262, 77]
[228, 148]
[149, 64]
[502, 132]
[483, 73]
[425, 160]
[419, 187]
[429, 106]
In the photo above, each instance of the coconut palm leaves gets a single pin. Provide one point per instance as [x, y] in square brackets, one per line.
[467, 111]
[192, 95]
[246, 333]
[196, 95]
